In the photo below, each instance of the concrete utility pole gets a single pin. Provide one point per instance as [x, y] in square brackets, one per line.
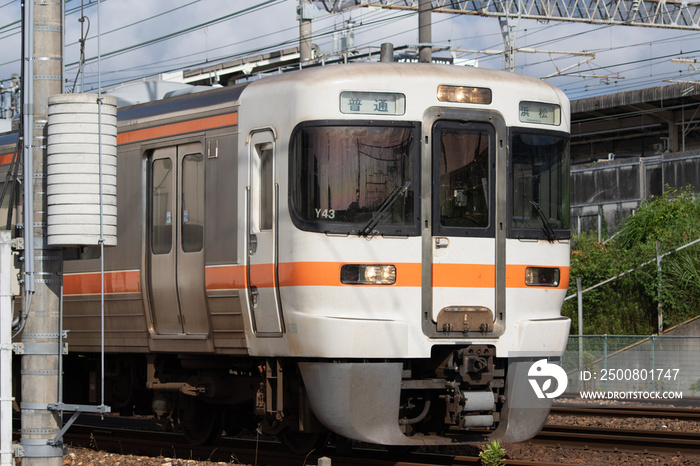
[40, 338]
[305, 31]
[508, 31]
[425, 36]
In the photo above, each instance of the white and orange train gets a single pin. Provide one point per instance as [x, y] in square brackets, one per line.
[376, 250]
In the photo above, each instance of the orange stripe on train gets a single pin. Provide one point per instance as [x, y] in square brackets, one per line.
[200, 124]
[6, 158]
[123, 281]
[310, 274]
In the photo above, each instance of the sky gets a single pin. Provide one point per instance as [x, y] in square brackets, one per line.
[141, 38]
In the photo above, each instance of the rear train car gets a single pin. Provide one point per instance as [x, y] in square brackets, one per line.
[376, 250]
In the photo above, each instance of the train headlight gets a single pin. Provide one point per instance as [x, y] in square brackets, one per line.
[367, 274]
[464, 95]
[542, 276]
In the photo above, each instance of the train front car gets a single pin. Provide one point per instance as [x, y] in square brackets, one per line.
[407, 244]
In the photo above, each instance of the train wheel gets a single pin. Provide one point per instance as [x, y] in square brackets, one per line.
[302, 443]
[201, 423]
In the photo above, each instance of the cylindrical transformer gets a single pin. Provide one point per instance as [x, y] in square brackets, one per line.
[82, 170]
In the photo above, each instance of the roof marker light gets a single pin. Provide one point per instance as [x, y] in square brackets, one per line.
[464, 95]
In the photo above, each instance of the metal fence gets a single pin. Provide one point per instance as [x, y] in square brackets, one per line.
[635, 365]
[604, 193]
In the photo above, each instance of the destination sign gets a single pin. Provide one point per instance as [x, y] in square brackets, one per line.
[372, 103]
[540, 113]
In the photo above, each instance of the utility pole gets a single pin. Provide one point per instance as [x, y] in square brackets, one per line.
[305, 17]
[425, 37]
[43, 76]
[509, 31]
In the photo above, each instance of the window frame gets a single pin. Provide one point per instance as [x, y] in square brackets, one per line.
[155, 244]
[192, 240]
[533, 233]
[353, 228]
[463, 231]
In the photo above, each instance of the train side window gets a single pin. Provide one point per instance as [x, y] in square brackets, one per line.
[264, 151]
[539, 184]
[161, 202]
[192, 206]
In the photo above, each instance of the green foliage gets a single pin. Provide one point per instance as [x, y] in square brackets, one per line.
[671, 219]
[493, 454]
[694, 387]
[629, 304]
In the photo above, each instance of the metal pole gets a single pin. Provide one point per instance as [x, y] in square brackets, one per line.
[102, 238]
[40, 338]
[580, 323]
[5, 350]
[425, 36]
[653, 364]
[605, 358]
[660, 307]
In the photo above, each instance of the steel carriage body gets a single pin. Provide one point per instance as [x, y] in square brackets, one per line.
[380, 250]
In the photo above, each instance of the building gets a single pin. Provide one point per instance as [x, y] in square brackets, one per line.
[629, 146]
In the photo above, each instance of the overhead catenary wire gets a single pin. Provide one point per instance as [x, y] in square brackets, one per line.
[372, 21]
[323, 33]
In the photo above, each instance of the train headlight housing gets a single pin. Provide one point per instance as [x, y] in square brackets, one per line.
[464, 95]
[542, 276]
[367, 274]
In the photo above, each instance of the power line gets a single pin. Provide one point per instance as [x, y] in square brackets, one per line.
[140, 21]
[181, 32]
[367, 26]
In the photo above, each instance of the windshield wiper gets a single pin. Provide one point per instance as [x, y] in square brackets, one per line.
[546, 226]
[388, 202]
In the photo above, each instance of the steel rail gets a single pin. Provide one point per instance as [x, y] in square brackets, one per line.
[683, 414]
[615, 439]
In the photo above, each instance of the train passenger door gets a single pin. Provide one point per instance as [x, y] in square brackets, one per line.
[263, 236]
[176, 241]
[463, 274]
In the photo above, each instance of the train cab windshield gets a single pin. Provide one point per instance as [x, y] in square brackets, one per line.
[539, 186]
[358, 179]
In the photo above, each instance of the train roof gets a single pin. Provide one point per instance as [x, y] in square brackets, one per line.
[384, 75]
[397, 72]
[181, 105]
[8, 138]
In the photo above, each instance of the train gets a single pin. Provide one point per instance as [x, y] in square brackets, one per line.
[378, 251]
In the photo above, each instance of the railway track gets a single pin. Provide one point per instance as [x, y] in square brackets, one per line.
[616, 439]
[128, 436]
[622, 439]
[684, 414]
[260, 452]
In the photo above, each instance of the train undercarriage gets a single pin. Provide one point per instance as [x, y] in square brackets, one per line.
[456, 396]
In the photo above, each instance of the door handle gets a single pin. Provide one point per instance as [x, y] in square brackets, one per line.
[441, 243]
[252, 244]
[254, 295]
